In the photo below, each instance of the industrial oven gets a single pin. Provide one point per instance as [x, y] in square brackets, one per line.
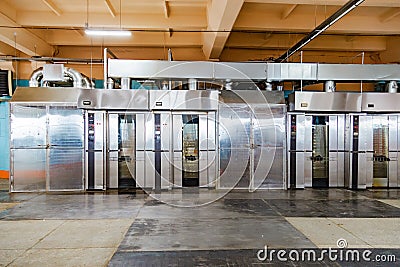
[375, 134]
[317, 136]
[150, 139]
[46, 140]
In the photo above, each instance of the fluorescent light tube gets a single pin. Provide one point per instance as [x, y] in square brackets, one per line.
[107, 32]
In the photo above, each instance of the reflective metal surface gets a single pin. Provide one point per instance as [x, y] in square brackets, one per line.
[28, 170]
[316, 150]
[251, 136]
[95, 134]
[358, 72]
[113, 99]
[155, 69]
[41, 95]
[323, 102]
[46, 147]
[380, 102]
[65, 169]
[28, 126]
[291, 71]
[65, 127]
[192, 100]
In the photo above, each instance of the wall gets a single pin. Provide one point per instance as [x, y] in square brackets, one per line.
[4, 140]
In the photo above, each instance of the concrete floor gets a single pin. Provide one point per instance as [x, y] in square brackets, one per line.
[195, 228]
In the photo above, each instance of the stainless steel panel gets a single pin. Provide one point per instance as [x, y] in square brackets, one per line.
[177, 132]
[365, 133]
[211, 128]
[177, 169]
[150, 171]
[358, 72]
[165, 131]
[192, 100]
[263, 159]
[99, 171]
[234, 164]
[113, 99]
[28, 168]
[365, 165]
[398, 133]
[211, 170]
[300, 147]
[341, 169]
[234, 126]
[300, 132]
[113, 132]
[307, 169]
[393, 132]
[333, 133]
[398, 172]
[46, 95]
[333, 169]
[66, 127]
[141, 169]
[149, 129]
[341, 134]
[165, 170]
[28, 126]
[274, 176]
[65, 169]
[307, 133]
[380, 102]
[160, 69]
[99, 135]
[112, 170]
[291, 71]
[240, 71]
[160, 100]
[365, 170]
[300, 157]
[203, 131]
[392, 169]
[140, 132]
[322, 101]
[203, 162]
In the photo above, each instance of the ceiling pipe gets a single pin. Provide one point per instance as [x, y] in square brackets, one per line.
[344, 10]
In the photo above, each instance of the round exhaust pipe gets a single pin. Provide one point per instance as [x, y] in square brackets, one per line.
[79, 80]
[392, 87]
[330, 86]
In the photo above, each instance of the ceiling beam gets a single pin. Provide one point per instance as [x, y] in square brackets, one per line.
[249, 19]
[389, 15]
[221, 15]
[22, 39]
[287, 11]
[139, 39]
[322, 43]
[53, 7]
[6, 50]
[133, 21]
[166, 9]
[110, 8]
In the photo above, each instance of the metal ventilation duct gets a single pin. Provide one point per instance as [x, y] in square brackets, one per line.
[79, 80]
[349, 6]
